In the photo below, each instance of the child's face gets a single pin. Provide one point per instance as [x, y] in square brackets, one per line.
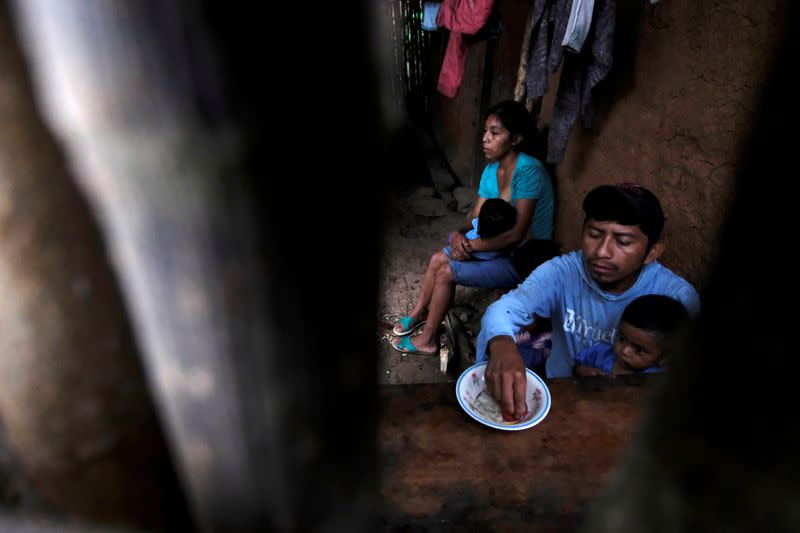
[637, 349]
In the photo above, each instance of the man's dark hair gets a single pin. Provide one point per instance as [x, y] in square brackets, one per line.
[656, 313]
[627, 204]
[496, 216]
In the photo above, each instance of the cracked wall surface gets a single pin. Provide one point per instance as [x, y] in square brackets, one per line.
[680, 106]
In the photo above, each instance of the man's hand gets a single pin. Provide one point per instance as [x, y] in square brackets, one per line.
[505, 376]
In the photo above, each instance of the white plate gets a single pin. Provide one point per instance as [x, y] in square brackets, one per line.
[476, 401]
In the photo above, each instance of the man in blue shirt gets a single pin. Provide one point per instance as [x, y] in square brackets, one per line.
[583, 292]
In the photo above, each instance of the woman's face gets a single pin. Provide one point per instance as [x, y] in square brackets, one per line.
[497, 140]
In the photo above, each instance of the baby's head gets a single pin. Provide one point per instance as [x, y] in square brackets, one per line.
[645, 324]
[497, 216]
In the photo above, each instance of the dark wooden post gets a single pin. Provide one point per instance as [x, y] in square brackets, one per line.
[244, 235]
[80, 438]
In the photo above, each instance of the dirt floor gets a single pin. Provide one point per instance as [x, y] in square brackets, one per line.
[410, 241]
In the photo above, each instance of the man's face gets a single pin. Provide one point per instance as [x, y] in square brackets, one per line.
[614, 254]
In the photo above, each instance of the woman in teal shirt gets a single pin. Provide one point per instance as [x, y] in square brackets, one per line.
[517, 178]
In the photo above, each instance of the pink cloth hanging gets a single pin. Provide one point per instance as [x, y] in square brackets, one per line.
[459, 16]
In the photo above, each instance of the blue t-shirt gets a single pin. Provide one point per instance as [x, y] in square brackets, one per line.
[602, 356]
[529, 181]
[473, 234]
[582, 313]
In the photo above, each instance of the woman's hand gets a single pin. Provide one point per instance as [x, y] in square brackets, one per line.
[459, 246]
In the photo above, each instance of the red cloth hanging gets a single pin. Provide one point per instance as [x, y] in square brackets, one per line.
[459, 16]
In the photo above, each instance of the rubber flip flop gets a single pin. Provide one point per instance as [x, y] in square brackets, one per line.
[405, 346]
[408, 324]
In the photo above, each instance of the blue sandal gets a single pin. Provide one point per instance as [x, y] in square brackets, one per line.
[408, 324]
[404, 346]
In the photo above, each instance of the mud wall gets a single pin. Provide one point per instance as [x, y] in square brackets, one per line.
[671, 115]
[682, 103]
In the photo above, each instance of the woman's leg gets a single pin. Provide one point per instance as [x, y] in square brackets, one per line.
[440, 300]
[428, 281]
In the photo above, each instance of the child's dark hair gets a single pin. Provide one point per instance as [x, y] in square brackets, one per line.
[533, 253]
[656, 313]
[517, 120]
[496, 216]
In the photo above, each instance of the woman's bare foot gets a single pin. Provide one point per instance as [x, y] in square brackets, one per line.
[407, 325]
[405, 345]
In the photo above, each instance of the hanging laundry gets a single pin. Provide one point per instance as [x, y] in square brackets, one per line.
[429, 12]
[580, 19]
[493, 29]
[549, 20]
[460, 17]
[581, 72]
